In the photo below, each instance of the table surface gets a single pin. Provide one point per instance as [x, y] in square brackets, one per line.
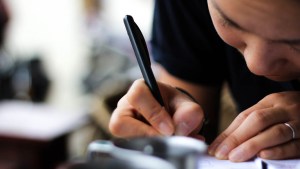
[37, 121]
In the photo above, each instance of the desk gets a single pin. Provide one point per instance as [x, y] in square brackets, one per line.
[34, 136]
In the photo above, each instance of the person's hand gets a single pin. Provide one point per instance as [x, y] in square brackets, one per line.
[261, 130]
[139, 114]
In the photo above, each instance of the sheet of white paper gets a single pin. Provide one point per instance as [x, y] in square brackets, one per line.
[283, 164]
[209, 162]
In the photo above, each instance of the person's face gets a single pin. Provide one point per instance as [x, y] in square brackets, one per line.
[266, 32]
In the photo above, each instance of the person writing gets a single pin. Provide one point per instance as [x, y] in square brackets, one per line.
[253, 45]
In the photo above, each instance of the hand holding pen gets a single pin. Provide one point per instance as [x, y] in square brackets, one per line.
[142, 111]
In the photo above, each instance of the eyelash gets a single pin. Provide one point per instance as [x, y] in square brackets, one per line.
[293, 48]
[225, 23]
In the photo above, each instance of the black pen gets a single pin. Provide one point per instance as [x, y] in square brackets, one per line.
[142, 55]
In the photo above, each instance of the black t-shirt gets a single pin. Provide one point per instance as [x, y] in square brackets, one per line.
[185, 42]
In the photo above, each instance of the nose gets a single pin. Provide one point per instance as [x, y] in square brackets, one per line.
[263, 57]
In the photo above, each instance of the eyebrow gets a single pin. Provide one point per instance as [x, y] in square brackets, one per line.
[237, 26]
[226, 18]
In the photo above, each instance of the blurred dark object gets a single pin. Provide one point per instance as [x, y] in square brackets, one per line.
[22, 153]
[107, 65]
[108, 163]
[22, 80]
[36, 135]
[39, 81]
[4, 18]
[108, 79]
[6, 73]
[25, 80]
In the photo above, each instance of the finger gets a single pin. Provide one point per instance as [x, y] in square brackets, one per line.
[140, 97]
[188, 118]
[187, 114]
[198, 137]
[255, 123]
[122, 124]
[291, 145]
[275, 135]
[233, 126]
[288, 150]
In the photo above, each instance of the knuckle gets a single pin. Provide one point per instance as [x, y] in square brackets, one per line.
[137, 85]
[223, 136]
[155, 114]
[278, 152]
[137, 82]
[259, 118]
[195, 110]
[242, 116]
[122, 101]
[135, 92]
[274, 96]
[294, 110]
[115, 127]
[234, 140]
[281, 132]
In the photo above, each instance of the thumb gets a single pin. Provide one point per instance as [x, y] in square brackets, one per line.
[188, 117]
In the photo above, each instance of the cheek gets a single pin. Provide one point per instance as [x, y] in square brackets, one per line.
[294, 58]
[230, 36]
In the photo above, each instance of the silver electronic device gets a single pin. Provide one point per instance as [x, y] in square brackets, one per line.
[173, 152]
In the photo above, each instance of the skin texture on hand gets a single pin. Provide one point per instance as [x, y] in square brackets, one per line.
[139, 114]
[260, 130]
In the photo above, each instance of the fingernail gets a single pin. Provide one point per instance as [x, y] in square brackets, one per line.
[236, 155]
[182, 129]
[165, 128]
[212, 148]
[222, 152]
[265, 154]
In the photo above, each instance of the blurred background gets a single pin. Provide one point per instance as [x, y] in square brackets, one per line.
[63, 66]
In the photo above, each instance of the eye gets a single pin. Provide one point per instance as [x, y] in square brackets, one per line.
[225, 23]
[294, 47]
